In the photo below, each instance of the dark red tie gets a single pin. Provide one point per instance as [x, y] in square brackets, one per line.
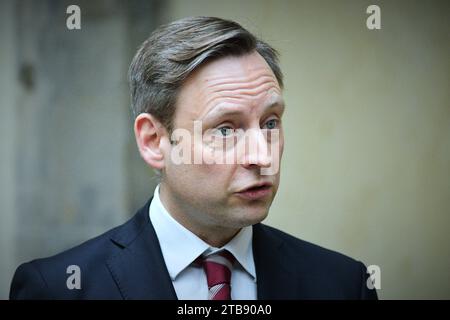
[218, 269]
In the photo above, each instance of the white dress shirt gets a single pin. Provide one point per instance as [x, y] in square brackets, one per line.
[180, 247]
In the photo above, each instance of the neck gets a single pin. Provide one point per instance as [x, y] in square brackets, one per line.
[202, 225]
[217, 238]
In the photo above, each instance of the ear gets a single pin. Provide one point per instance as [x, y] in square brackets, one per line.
[150, 135]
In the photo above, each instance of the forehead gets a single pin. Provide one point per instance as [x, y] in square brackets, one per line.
[243, 81]
[234, 66]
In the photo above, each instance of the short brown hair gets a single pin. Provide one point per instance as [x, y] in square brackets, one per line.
[175, 50]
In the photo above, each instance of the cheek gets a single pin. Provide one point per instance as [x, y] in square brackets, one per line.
[214, 174]
[213, 168]
[214, 181]
[277, 148]
[281, 141]
[201, 178]
[281, 146]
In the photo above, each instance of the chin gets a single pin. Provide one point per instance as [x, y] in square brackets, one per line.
[249, 217]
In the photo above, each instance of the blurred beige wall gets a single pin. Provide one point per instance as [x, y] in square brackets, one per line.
[366, 169]
[69, 166]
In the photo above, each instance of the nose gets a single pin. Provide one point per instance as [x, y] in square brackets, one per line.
[256, 150]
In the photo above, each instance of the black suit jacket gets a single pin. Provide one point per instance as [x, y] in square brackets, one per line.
[127, 263]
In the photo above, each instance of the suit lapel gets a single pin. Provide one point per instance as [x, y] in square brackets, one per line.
[275, 276]
[140, 272]
[139, 268]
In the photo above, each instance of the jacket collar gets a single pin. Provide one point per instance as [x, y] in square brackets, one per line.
[140, 271]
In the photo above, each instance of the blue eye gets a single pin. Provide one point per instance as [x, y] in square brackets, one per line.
[225, 131]
[272, 124]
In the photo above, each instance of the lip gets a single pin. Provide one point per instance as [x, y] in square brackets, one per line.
[256, 191]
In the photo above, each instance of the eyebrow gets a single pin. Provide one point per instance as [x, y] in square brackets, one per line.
[224, 109]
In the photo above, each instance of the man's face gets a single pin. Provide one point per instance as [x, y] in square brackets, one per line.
[222, 96]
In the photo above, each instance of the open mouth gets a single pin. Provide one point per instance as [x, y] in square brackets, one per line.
[258, 188]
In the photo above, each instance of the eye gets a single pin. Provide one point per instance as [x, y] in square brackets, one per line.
[225, 131]
[271, 124]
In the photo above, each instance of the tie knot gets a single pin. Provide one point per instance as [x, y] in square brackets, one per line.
[218, 268]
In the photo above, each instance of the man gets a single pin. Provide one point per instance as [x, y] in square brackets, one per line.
[207, 100]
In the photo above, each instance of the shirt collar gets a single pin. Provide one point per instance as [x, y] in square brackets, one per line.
[180, 247]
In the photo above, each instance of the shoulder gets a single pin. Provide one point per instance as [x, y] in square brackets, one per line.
[300, 249]
[46, 278]
[314, 266]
